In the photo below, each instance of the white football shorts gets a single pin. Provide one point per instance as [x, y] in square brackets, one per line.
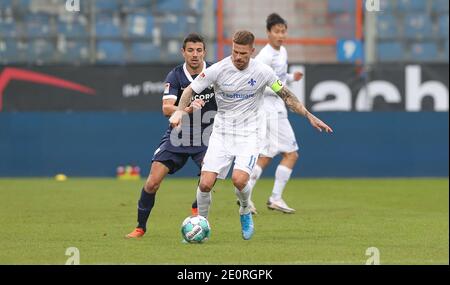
[224, 149]
[279, 137]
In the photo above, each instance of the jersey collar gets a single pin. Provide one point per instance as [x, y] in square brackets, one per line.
[188, 75]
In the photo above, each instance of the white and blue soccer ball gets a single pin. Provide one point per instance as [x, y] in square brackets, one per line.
[195, 229]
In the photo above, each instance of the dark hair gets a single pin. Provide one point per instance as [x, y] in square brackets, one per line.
[194, 38]
[274, 19]
[244, 38]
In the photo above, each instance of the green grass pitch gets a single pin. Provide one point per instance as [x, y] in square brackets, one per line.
[336, 221]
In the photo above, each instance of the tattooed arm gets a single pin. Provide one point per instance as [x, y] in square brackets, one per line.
[185, 105]
[186, 98]
[296, 106]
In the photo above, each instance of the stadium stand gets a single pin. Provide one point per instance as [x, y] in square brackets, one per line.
[120, 31]
[139, 25]
[391, 51]
[414, 30]
[73, 51]
[104, 31]
[110, 52]
[387, 26]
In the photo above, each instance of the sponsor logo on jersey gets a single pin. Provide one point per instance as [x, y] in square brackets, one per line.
[204, 97]
[239, 96]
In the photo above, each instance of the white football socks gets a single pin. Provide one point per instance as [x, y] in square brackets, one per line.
[203, 202]
[256, 174]
[243, 197]
[282, 175]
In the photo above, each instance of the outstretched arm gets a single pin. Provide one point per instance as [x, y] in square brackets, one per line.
[296, 106]
[186, 98]
[169, 106]
[183, 105]
[296, 76]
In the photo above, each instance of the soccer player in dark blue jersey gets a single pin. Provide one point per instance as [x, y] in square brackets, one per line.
[177, 146]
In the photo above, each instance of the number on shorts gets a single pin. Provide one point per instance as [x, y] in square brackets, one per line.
[252, 162]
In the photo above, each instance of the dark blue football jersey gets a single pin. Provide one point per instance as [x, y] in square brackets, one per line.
[191, 138]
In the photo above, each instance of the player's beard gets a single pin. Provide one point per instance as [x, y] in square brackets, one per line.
[241, 65]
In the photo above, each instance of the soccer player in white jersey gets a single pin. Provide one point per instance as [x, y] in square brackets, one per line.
[239, 83]
[279, 137]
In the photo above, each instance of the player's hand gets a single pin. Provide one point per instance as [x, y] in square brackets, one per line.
[318, 124]
[298, 76]
[197, 104]
[175, 119]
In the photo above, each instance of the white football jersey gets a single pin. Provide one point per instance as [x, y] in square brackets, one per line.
[239, 94]
[278, 61]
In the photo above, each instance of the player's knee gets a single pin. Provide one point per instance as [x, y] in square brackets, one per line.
[264, 161]
[239, 181]
[151, 186]
[292, 156]
[239, 184]
[204, 186]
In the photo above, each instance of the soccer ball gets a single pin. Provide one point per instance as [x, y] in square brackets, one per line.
[195, 229]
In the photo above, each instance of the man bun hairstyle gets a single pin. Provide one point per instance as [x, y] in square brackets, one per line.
[274, 19]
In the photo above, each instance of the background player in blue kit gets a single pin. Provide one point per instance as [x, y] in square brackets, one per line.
[174, 149]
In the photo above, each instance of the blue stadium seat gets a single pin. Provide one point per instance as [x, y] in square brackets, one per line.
[197, 6]
[418, 26]
[390, 51]
[135, 4]
[440, 6]
[443, 26]
[23, 5]
[344, 26]
[178, 7]
[387, 6]
[74, 28]
[427, 51]
[106, 5]
[110, 52]
[411, 5]
[5, 4]
[387, 26]
[74, 52]
[170, 6]
[107, 26]
[178, 26]
[172, 50]
[40, 51]
[38, 25]
[140, 25]
[8, 28]
[342, 6]
[145, 52]
[8, 52]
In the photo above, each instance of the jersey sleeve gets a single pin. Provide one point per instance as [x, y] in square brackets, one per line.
[205, 79]
[171, 87]
[272, 80]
